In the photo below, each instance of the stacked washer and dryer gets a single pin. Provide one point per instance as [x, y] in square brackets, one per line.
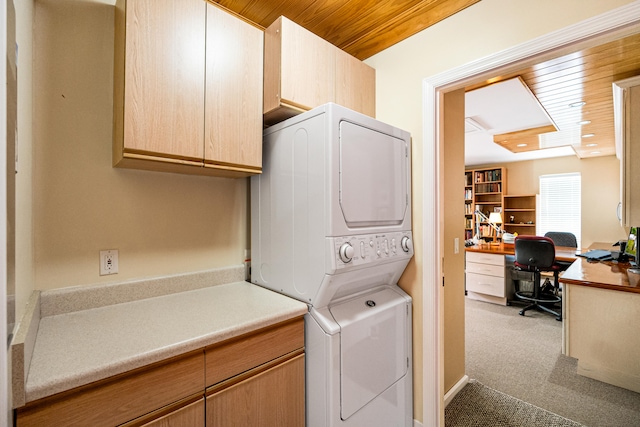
[331, 226]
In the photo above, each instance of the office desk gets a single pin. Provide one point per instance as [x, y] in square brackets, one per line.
[601, 305]
[562, 253]
[487, 268]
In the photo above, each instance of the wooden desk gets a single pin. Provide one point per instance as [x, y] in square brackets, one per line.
[488, 276]
[562, 253]
[606, 275]
[601, 305]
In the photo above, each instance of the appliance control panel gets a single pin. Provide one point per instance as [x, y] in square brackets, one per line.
[371, 248]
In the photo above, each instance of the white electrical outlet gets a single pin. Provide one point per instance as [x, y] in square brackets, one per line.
[109, 262]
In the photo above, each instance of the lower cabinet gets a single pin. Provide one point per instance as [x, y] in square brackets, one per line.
[484, 279]
[191, 415]
[122, 398]
[276, 396]
[254, 380]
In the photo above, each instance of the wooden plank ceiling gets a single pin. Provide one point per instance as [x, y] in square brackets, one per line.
[359, 27]
[583, 76]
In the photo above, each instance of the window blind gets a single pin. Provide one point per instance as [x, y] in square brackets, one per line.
[560, 200]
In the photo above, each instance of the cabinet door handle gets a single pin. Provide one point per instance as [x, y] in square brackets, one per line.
[619, 211]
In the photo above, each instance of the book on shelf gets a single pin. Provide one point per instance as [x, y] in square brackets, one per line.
[489, 188]
[489, 175]
[468, 194]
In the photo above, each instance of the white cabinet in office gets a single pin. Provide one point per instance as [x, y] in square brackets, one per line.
[626, 94]
[484, 279]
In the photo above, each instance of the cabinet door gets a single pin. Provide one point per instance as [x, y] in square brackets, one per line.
[233, 109]
[273, 398]
[164, 78]
[355, 84]
[188, 416]
[304, 73]
[631, 158]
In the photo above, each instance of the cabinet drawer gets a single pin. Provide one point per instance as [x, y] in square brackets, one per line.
[120, 398]
[482, 258]
[489, 285]
[488, 269]
[230, 358]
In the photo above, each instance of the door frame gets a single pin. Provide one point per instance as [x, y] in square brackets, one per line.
[609, 26]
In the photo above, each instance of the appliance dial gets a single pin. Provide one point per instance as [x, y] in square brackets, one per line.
[346, 252]
[406, 244]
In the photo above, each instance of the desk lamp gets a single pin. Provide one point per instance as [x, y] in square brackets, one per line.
[496, 218]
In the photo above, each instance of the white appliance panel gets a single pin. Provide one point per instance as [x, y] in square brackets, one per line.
[373, 347]
[393, 407]
[373, 172]
[297, 216]
[331, 226]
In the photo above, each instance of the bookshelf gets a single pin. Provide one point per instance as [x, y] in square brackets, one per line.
[468, 205]
[523, 210]
[484, 190]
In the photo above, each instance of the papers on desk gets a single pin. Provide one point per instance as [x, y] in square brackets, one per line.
[596, 255]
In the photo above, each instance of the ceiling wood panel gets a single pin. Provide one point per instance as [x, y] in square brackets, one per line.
[585, 75]
[361, 28]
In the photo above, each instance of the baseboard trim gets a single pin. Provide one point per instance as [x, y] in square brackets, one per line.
[448, 397]
[417, 423]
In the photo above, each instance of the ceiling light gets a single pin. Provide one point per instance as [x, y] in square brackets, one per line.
[577, 104]
[583, 122]
[588, 135]
[521, 145]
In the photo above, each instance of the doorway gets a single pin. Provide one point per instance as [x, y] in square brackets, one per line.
[607, 27]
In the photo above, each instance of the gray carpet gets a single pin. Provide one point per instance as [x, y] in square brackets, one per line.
[521, 357]
[479, 405]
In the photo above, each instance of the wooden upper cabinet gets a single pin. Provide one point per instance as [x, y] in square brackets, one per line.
[187, 89]
[303, 71]
[355, 84]
[234, 91]
[164, 77]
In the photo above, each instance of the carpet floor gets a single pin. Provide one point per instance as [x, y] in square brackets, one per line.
[479, 405]
[521, 357]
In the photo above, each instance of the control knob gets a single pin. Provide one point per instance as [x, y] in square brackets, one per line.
[346, 252]
[406, 244]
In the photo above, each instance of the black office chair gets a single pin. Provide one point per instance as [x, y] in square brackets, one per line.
[536, 254]
[563, 238]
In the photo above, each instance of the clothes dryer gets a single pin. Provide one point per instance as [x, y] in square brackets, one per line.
[331, 226]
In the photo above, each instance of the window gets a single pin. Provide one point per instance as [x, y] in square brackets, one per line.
[560, 197]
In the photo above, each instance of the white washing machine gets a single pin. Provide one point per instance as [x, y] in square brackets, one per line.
[331, 226]
[359, 369]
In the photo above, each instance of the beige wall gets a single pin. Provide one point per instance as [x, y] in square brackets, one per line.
[483, 29]
[454, 348]
[24, 177]
[160, 223]
[600, 177]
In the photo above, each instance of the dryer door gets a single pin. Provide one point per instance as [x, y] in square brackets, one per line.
[374, 177]
[373, 346]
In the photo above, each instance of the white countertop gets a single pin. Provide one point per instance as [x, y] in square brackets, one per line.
[76, 348]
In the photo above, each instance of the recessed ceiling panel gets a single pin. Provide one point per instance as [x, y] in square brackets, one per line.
[506, 106]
